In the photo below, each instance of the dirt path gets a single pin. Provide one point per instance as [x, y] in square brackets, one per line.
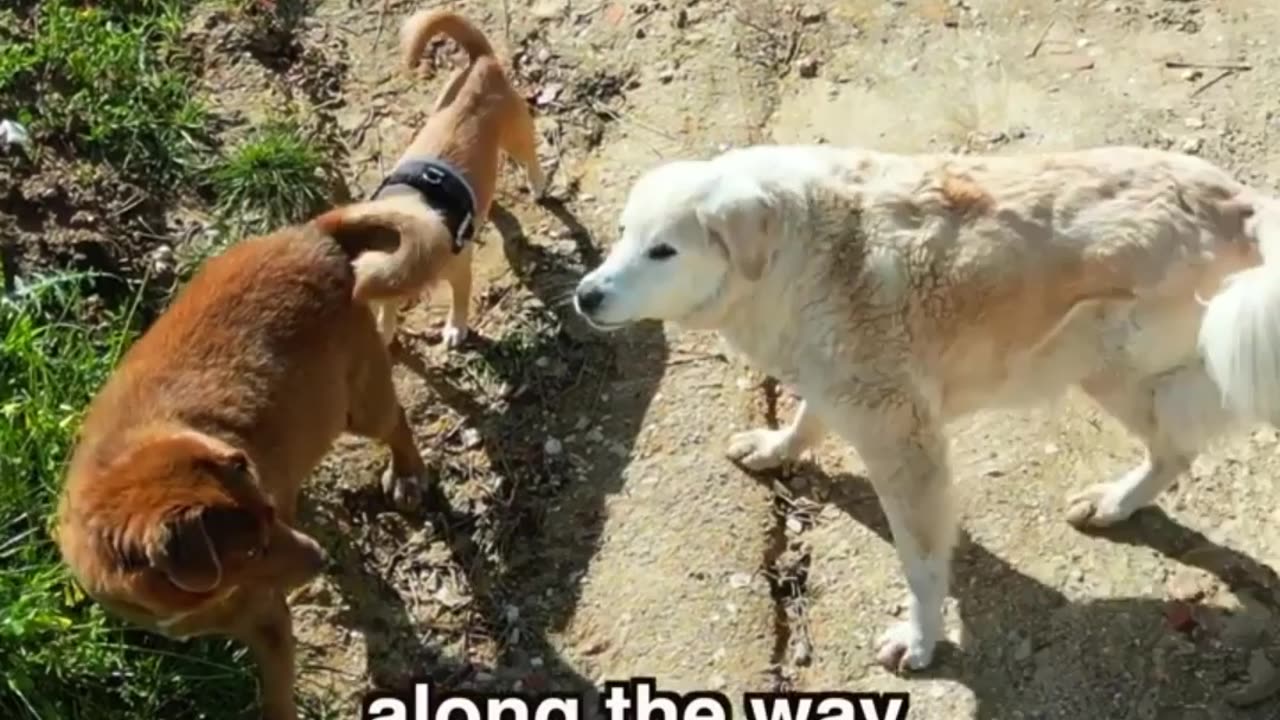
[588, 527]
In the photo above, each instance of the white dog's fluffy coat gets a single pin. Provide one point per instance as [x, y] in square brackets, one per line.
[899, 292]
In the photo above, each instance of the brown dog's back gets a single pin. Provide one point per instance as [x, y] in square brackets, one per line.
[245, 352]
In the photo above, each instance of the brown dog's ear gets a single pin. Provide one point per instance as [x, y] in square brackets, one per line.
[181, 548]
[742, 220]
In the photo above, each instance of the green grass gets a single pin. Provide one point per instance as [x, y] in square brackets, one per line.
[109, 81]
[275, 177]
[63, 658]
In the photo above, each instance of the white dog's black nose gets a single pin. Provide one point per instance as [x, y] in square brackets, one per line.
[589, 299]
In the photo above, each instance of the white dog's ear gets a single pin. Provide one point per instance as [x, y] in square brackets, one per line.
[742, 219]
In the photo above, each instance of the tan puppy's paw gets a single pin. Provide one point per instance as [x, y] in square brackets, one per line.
[453, 335]
[405, 491]
[760, 449]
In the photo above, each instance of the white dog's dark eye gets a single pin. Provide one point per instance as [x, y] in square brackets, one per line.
[661, 252]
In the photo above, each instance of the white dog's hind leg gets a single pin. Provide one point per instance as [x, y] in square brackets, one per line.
[1174, 415]
[764, 449]
[909, 471]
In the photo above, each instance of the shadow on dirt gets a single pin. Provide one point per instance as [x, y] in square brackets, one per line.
[546, 408]
[1030, 651]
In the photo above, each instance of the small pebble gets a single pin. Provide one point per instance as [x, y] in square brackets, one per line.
[811, 14]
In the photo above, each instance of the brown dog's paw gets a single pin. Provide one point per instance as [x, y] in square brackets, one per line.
[406, 492]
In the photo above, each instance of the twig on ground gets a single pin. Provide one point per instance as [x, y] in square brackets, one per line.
[583, 15]
[382, 19]
[362, 129]
[1214, 81]
[1230, 67]
[604, 110]
[1044, 35]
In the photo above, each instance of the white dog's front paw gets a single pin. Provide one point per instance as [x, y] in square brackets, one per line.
[1099, 506]
[904, 646]
[760, 449]
[404, 491]
[453, 335]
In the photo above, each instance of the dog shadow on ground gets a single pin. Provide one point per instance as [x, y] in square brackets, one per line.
[1029, 651]
[559, 448]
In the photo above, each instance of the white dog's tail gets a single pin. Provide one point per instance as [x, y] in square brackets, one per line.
[1240, 332]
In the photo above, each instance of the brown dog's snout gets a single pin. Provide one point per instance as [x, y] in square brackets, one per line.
[295, 558]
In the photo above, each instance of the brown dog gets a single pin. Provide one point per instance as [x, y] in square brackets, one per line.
[179, 506]
[477, 115]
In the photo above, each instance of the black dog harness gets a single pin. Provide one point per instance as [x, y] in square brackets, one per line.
[443, 188]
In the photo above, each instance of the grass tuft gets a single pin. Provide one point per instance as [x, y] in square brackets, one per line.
[106, 81]
[275, 177]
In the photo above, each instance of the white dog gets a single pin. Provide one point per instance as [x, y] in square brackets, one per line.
[897, 293]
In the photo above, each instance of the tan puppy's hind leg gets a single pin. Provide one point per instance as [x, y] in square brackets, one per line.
[386, 315]
[520, 141]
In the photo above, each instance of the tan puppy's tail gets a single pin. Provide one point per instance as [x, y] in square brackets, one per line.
[363, 229]
[423, 25]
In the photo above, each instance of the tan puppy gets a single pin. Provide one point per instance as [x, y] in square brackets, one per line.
[179, 506]
[477, 115]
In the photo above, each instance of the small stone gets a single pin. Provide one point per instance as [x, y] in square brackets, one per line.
[1194, 123]
[801, 652]
[666, 75]
[1192, 145]
[808, 68]
[1192, 75]
[739, 580]
[549, 93]
[552, 446]
[794, 525]
[471, 438]
[811, 14]
[548, 9]
[1189, 586]
[1023, 651]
